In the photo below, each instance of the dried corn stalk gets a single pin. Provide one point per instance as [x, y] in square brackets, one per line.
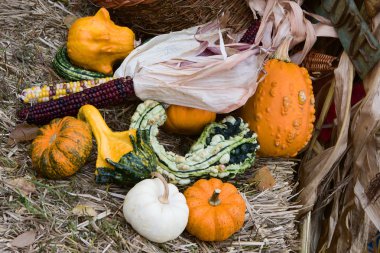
[314, 171]
[355, 203]
[366, 152]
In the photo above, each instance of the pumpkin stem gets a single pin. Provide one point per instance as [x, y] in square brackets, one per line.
[164, 199]
[214, 200]
[282, 52]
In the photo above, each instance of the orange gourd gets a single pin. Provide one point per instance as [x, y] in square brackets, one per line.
[217, 210]
[186, 120]
[281, 111]
[61, 148]
[96, 43]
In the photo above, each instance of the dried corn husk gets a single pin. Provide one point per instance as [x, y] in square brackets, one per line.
[169, 68]
[314, 171]
[366, 154]
[372, 7]
[355, 203]
[281, 18]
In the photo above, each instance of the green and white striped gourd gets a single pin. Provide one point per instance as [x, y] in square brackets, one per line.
[223, 150]
[67, 70]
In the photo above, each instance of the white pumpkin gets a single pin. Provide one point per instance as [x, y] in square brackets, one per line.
[156, 209]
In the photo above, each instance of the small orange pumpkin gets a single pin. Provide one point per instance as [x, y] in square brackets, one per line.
[96, 43]
[217, 210]
[61, 148]
[187, 120]
[281, 111]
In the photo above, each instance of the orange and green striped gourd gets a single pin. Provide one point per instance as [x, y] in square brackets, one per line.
[61, 148]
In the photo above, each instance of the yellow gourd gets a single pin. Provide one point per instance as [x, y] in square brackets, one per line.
[281, 111]
[96, 43]
[186, 120]
[112, 145]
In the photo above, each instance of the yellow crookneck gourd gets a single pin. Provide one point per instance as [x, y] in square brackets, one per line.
[112, 145]
[281, 111]
[96, 43]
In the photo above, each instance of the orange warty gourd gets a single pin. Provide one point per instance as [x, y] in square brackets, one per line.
[217, 210]
[186, 120]
[96, 43]
[61, 148]
[281, 111]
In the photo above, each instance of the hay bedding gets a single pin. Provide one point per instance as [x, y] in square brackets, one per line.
[43, 215]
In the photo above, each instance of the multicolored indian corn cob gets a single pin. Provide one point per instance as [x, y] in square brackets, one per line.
[113, 92]
[250, 35]
[47, 92]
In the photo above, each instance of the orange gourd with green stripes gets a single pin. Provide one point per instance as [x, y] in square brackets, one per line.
[61, 148]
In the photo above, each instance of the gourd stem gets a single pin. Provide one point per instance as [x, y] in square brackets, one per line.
[164, 199]
[282, 52]
[214, 200]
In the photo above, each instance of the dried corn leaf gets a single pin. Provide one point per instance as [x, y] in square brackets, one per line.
[170, 69]
[357, 209]
[281, 18]
[366, 157]
[372, 7]
[314, 171]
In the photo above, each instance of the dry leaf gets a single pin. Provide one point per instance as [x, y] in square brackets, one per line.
[25, 239]
[314, 171]
[83, 210]
[263, 179]
[23, 132]
[281, 18]
[26, 187]
[366, 159]
[69, 20]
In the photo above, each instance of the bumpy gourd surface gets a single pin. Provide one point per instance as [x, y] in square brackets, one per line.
[61, 148]
[281, 111]
[223, 150]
